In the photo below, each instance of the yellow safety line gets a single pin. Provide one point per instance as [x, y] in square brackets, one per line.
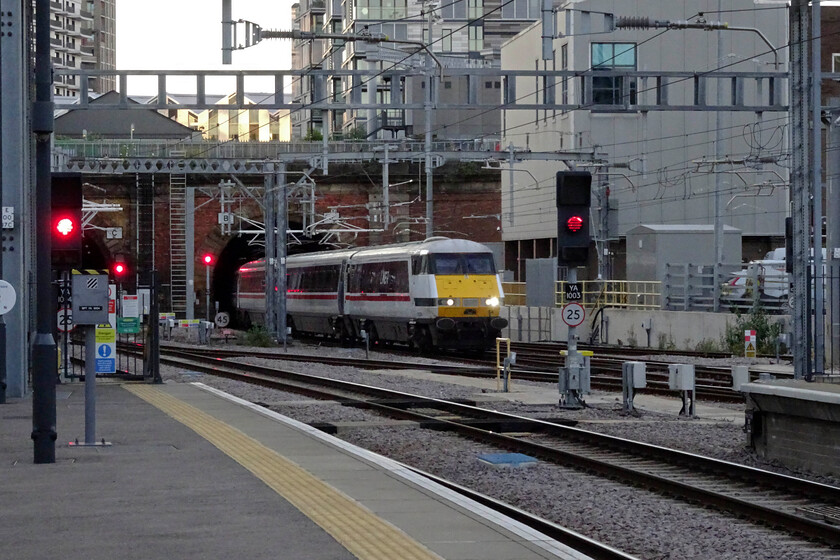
[364, 534]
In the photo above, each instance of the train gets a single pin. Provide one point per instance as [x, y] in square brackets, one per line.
[439, 293]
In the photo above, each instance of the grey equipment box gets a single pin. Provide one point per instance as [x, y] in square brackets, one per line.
[90, 299]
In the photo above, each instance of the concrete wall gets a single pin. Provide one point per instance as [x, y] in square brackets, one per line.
[668, 329]
[799, 433]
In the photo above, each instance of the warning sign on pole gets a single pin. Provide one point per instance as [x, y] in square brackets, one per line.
[749, 344]
[106, 350]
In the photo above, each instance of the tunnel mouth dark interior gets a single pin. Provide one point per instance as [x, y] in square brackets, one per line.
[237, 252]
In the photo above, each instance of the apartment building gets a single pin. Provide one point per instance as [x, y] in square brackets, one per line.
[462, 33]
[83, 36]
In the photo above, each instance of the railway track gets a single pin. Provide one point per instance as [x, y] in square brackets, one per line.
[800, 507]
[712, 383]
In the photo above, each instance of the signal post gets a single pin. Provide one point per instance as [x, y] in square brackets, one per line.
[574, 197]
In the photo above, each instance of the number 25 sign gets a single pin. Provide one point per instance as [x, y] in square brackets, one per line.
[573, 314]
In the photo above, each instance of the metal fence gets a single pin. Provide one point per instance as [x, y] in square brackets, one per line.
[831, 287]
[617, 294]
[514, 293]
[691, 287]
[621, 294]
[133, 340]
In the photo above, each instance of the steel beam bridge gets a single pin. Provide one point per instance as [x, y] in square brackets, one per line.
[653, 91]
[258, 158]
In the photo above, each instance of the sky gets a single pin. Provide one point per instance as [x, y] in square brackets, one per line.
[187, 35]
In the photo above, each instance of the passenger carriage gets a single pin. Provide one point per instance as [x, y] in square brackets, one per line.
[437, 293]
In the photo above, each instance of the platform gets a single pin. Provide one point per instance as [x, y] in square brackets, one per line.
[796, 422]
[193, 472]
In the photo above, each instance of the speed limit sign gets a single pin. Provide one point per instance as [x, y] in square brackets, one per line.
[65, 319]
[222, 319]
[573, 314]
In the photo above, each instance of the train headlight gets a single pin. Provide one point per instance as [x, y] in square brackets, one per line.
[449, 302]
[492, 302]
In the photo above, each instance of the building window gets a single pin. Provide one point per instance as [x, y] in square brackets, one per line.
[398, 31]
[476, 41]
[446, 40]
[381, 9]
[475, 9]
[607, 90]
[521, 9]
[564, 65]
[454, 10]
[835, 62]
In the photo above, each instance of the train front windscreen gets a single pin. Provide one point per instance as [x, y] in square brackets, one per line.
[462, 263]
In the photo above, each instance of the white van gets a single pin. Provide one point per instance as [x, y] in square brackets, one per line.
[767, 273]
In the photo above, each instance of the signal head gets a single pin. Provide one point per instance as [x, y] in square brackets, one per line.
[208, 259]
[65, 226]
[574, 223]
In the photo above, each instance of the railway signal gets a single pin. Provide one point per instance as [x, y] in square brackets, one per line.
[66, 220]
[573, 201]
[209, 260]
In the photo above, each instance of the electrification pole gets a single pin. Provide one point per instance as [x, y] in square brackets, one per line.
[269, 208]
[718, 178]
[282, 220]
[799, 192]
[427, 107]
[816, 187]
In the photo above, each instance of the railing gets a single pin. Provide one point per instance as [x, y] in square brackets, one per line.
[514, 293]
[622, 294]
[251, 150]
[618, 294]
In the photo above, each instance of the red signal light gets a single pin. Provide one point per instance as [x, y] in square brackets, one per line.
[208, 259]
[119, 269]
[574, 223]
[65, 226]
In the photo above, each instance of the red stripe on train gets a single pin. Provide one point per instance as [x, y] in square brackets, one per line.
[378, 297]
[359, 297]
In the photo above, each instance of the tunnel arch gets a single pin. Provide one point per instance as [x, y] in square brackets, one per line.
[235, 253]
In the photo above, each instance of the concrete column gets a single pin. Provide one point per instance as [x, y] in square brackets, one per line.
[15, 157]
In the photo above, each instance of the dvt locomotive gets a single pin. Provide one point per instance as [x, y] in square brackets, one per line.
[437, 293]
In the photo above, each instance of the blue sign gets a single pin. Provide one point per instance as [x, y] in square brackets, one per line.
[104, 350]
[105, 365]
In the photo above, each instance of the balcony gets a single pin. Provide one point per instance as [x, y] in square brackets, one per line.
[57, 44]
[85, 15]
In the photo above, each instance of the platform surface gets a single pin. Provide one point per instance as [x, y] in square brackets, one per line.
[193, 473]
